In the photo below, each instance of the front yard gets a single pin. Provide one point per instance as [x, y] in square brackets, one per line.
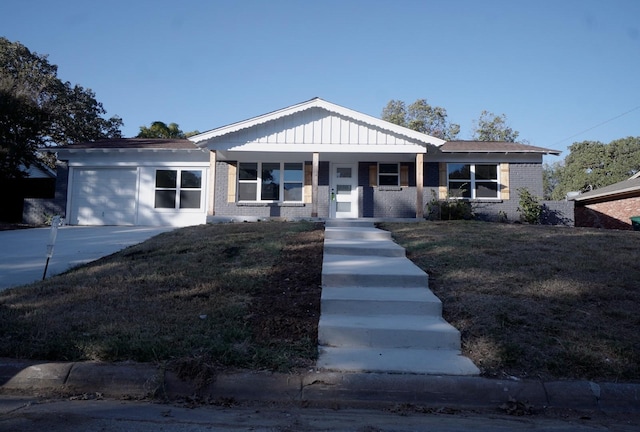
[530, 301]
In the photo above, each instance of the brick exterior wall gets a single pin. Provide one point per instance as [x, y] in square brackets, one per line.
[613, 214]
[269, 210]
[398, 202]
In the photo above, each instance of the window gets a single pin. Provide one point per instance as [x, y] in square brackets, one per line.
[270, 181]
[389, 174]
[178, 189]
[473, 181]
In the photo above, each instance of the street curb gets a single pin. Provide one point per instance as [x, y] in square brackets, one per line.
[142, 380]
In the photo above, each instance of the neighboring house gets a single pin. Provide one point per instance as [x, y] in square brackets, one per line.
[39, 182]
[610, 206]
[313, 159]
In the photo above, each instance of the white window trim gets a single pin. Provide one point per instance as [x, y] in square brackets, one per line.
[472, 181]
[258, 182]
[397, 174]
[177, 189]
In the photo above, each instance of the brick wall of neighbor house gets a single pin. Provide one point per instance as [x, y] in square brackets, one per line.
[269, 210]
[614, 214]
[37, 211]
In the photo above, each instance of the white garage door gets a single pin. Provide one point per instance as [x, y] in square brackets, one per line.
[103, 197]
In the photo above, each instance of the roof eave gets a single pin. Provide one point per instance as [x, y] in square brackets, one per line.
[614, 194]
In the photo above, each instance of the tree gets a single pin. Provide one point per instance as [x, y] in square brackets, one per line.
[159, 129]
[550, 178]
[421, 117]
[592, 164]
[37, 109]
[491, 127]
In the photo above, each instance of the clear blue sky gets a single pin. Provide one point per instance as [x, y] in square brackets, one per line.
[555, 67]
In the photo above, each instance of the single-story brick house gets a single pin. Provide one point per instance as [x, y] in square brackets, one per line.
[313, 159]
[610, 207]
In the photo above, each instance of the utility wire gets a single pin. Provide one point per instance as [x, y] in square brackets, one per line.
[598, 125]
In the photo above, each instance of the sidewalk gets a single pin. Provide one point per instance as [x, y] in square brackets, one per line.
[313, 388]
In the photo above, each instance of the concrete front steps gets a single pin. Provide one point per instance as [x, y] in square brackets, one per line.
[378, 314]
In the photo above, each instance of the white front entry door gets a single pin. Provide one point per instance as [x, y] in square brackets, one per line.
[344, 191]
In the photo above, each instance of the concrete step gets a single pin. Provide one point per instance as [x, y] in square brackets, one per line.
[363, 247]
[331, 223]
[387, 331]
[371, 271]
[354, 301]
[356, 232]
[435, 362]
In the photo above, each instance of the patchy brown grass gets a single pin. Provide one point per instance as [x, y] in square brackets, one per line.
[530, 301]
[535, 301]
[239, 295]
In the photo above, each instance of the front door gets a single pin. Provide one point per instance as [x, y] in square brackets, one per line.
[344, 191]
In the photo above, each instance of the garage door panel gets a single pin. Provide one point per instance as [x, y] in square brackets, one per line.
[104, 197]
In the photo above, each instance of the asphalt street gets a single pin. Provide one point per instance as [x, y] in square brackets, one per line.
[75, 415]
[23, 252]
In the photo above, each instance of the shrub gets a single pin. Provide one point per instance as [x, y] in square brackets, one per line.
[448, 209]
[529, 208]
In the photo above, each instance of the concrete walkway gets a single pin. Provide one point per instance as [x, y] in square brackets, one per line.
[378, 314]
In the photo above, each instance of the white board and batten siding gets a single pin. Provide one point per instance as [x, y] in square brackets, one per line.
[316, 130]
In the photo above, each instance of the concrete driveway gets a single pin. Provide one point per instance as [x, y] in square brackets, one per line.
[23, 252]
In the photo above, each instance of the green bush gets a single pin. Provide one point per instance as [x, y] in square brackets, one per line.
[448, 209]
[529, 208]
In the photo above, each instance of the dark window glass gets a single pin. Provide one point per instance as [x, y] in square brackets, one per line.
[191, 179]
[270, 182]
[486, 190]
[247, 191]
[388, 168]
[459, 172]
[248, 171]
[459, 189]
[189, 199]
[165, 199]
[486, 172]
[388, 180]
[166, 178]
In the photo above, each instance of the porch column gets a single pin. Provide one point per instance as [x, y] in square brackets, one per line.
[314, 184]
[419, 185]
[211, 208]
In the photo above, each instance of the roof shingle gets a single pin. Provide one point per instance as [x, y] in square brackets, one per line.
[493, 147]
[134, 143]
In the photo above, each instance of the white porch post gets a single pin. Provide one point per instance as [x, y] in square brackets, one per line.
[314, 184]
[211, 208]
[419, 186]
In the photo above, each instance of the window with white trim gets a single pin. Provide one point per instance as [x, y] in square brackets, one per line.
[270, 181]
[473, 181]
[178, 189]
[388, 174]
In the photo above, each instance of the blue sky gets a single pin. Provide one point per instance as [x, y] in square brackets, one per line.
[556, 68]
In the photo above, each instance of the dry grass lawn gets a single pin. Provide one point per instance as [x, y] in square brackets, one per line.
[530, 301]
[207, 295]
[535, 301]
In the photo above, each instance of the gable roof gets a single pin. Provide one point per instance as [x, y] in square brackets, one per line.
[620, 189]
[493, 147]
[322, 104]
